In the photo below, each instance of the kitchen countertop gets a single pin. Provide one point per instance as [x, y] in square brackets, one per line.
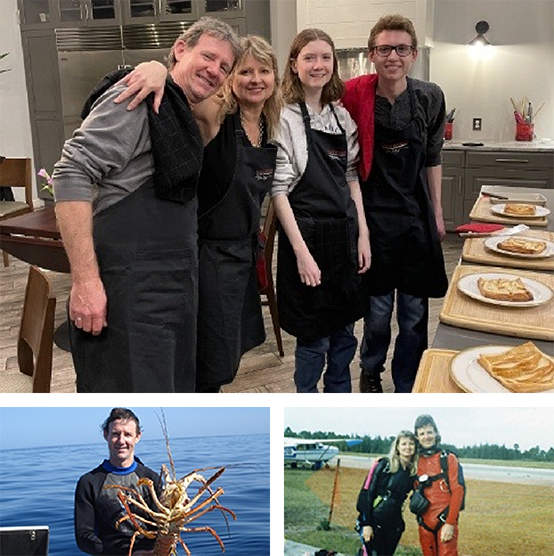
[525, 146]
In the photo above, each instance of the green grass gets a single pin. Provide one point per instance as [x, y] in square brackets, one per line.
[500, 519]
[306, 517]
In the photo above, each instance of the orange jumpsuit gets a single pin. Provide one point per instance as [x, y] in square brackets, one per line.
[440, 496]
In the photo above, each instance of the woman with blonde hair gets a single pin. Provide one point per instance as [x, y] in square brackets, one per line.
[237, 125]
[383, 494]
[324, 241]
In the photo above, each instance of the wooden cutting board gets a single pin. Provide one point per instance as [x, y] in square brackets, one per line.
[433, 374]
[461, 310]
[474, 251]
[481, 212]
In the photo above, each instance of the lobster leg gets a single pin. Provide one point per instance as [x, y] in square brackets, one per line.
[205, 529]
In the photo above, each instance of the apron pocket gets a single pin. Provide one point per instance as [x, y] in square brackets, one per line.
[161, 286]
[331, 244]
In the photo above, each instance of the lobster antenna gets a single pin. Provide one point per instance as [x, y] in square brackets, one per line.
[163, 425]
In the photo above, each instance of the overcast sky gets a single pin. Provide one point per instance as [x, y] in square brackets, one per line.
[466, 426]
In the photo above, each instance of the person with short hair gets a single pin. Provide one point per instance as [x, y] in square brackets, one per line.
[97, 509]
[400, 126]
[381, 499]
[438, 524]
[126, 205]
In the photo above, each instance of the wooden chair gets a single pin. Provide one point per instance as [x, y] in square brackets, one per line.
[269, 230]
[16, 172]
[36, 335]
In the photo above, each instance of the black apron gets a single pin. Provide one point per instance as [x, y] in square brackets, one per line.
[327, 218]
[230, 320]
[405, 247]
[147, 254]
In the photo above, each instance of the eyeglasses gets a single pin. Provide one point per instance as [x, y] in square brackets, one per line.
[402, 50]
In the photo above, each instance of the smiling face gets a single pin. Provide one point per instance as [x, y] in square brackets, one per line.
[201, 70]
[426, 436]
[392, 67]
[406, 448]
[122, 437]
[253, 81]
[314, 65]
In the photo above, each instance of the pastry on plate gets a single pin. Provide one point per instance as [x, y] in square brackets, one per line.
[520, 209]
[521, 369]
[504, 289]
[522, 245]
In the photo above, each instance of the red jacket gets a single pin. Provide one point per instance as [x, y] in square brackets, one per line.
[359, 100]
[438, 494]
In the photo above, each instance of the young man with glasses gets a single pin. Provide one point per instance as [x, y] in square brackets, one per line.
[400, 125]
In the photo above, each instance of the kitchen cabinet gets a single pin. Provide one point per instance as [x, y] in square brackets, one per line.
[466, 171]
[35, 14]
[452, 189]
[88, 12]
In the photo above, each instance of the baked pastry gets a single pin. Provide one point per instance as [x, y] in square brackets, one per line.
[521, 369]
[520, 209]
[504, 289]
[522, 245]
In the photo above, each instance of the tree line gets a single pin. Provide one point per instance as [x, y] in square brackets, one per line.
[381, 445]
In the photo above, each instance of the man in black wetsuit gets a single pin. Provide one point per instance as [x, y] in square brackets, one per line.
[97, 509]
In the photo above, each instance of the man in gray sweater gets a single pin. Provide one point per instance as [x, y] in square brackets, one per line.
[126, 205]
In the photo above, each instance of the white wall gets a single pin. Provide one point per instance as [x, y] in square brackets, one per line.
[15, 127]
[521, 63]
[283, 28]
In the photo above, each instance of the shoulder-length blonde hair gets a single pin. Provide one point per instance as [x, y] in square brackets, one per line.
[394, 458]
[292, 87]
[260, 50]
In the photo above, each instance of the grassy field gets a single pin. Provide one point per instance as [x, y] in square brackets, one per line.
[502, 462]
[500, 519]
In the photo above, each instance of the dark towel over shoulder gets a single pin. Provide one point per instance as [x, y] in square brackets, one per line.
[176, 141]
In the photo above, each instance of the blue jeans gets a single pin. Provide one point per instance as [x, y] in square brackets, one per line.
[412, 315]
[339, 349]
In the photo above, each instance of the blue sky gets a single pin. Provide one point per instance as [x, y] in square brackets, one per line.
[25, 427]
[461, 426]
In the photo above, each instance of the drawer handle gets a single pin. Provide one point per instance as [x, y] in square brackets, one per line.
[514, 160]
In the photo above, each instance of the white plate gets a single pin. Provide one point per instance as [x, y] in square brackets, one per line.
[539, 212]
[493, 241]
[541, 292]
[468, 374]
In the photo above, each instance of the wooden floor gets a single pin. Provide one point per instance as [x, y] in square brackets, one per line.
[261, 370]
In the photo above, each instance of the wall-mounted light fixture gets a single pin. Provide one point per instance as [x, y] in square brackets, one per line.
[480, 40]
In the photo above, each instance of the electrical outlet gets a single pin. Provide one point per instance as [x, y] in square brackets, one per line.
[476, 124]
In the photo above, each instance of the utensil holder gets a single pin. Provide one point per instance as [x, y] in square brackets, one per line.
[524, 131]
[448, 129]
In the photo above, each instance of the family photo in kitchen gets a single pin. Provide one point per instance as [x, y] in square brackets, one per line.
[237, 204]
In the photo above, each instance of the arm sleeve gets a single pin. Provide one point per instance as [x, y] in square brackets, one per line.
[85, 532]
[436, 112]
[287, 173]
[367, 497]
[352, 146]
[104, 144]
[456, 490]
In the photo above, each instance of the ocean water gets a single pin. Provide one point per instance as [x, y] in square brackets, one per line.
[37, 487]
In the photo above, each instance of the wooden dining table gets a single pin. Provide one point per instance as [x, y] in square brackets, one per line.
[35, 239]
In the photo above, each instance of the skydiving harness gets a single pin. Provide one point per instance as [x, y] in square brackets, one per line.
[426, 481]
